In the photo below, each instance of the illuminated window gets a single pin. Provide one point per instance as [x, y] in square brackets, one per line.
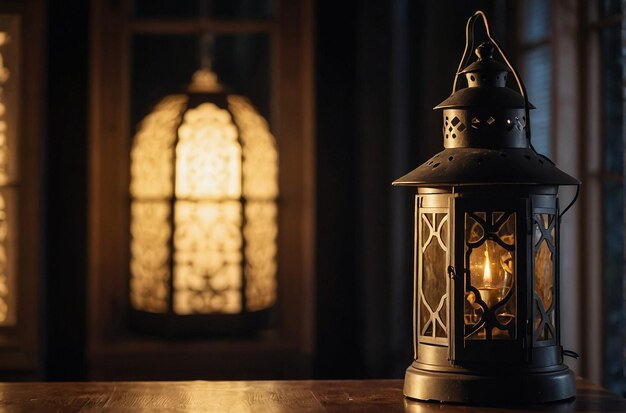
[204, 182]
[9, 76]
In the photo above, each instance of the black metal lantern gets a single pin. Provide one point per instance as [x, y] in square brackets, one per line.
[486, 304]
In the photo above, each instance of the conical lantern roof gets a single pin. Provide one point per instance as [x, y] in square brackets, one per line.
[486, 134]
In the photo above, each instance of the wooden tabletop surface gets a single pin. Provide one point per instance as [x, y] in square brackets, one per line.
[259, 397]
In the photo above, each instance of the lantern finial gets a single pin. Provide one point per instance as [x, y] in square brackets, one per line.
[485, 49]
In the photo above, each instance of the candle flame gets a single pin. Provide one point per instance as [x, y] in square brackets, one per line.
[487, 273]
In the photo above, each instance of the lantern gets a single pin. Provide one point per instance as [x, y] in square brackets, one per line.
[204, 182]
[486, 302]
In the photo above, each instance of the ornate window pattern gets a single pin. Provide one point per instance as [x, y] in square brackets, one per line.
[204, 219]
[152, 160]
[490, 302]
[9, 83]
[433, 317]
[543, 277]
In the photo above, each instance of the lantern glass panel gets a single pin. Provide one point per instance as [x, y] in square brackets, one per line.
[543, 276]
[490, 302]
[434, 286]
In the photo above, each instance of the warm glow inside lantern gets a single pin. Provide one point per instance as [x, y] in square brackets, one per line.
[204, 183]
[486, 325]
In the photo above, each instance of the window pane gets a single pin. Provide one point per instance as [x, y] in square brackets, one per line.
[535, 20]
[537, 75]
[612, 203]
[611, 7]
[543, 277]
[9, 180]
[613, 269]
[612, 107]
[164, 64]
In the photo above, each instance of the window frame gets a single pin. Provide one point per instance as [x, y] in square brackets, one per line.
[113, 350]
[577, 145]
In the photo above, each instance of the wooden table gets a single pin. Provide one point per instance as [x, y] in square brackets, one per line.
[259, 397]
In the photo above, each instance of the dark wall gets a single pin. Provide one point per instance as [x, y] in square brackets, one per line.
[338, 349]
[65, 186]
[380, 68]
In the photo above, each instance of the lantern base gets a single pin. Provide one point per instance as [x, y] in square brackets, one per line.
[472, 387]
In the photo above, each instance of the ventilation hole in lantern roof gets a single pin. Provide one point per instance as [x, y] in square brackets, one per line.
[450, 129]
[430, 163]
[461, 127]
[436, 165]
[527, 157]
[450, 158]
[446, 123]
[490, 120]
[454, 136]
[446, 136]
[472, 78]
[475, 122]
[455, 121]
[498, 77]
[446, 118]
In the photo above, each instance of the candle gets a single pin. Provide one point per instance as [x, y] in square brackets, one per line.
[487, 271]
[488, 293]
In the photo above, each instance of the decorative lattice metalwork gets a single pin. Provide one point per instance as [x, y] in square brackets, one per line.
[543, 277]
[433, 280]
[490, 309]
[452, 127]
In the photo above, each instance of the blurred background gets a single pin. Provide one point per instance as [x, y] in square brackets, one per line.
[347, 88]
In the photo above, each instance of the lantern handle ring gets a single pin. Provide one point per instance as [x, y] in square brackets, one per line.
[469, 46]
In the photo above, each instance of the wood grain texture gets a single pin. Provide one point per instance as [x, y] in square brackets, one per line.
[260, 396]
